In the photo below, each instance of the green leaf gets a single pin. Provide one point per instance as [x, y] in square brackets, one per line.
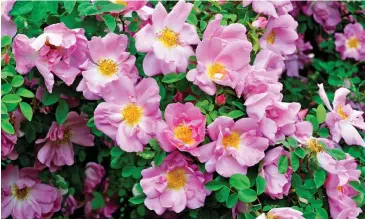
[292, 142]
[62, 111]
[247, 195]
[69, 5]
[11, 98]
[234, 114]
[232, 200]
[357, 186]
[239, 181]
[300, 152]
[110, 22]
[26, 110]
[190, 98]
[7, 127]
[50, 98]
[98, 201]
[283, 164]
[6, 88]
[260, 185]
[4, 109]
[321, 113]
[294, 161]
[21, 7]
[90, 10]
[116, 151]
[222, 194]
[312, 119]
[111, 7]
[24, 93]
[17, 81]
[154, 144]
[159, 158]
[171, 78]
[319, 177]
[139, 199]
[213, 185]
[5, 40]
[338, 154]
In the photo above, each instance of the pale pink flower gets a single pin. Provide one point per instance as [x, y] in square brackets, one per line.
[268, 7]
[8, 27]
[287, 213]
[94, 174]
[174, 185]
[231, 142]
[109, 60]
[351, 44]
[219, 63]
[138, 6]
[184, 128]
[8, 143]
[280, 35]
[24, 196]
[326, 13]
[299, 59]
[57, 149]
[131, 118]
[277, 184]
[270, 61]
[261, 22]
[167, 41]
[59, 50]
[342, 119]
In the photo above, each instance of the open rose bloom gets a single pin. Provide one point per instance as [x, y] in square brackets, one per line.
[174, 185]
[351, 44]
[288, 213]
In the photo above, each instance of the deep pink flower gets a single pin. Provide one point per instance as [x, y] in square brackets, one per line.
[109, 60]
[184, 128]
[326, 13]
[8, 27]
[129, 119]
[219, 63]
[8, 146]
[220, 99]
[287, 213]
[167, 41]
[351, 44]
[231, 142]
[174, 185]
[69, 206]
[342, 119]
[24, 196]
[268, 7]
[280, 35]
[277, 185]
[57, 149]
[58, 51]
[94, 174]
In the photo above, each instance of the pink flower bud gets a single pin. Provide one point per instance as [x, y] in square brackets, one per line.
[220, 99]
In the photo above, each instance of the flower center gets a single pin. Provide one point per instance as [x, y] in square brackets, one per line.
[184, 133]
[107, 67]
[132, 114]
[340, 189]
[315, 146]
[51, 46]
[272, 216]
[67, 134]
[216, 71]
[169, 38]
[176, 178]
[353, 43]
[341, 112]
[271, 37]
[121, 2]
[20, 194]
[231, 140]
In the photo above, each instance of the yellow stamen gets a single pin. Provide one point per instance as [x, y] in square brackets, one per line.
[107, 67]
[353, 43]
[121, 2]
[340, 189]
[47, 43]
[20, 194]
[341, 112]
[231, 140]
[216, 71]
[176, 178]
[132, 114]
[67, 134]
[184, 133]
[271, 38]
[315, 146]
[169, 38]
[272, 216]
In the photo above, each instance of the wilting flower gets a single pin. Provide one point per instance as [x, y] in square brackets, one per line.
[69, 206]
[8, 27]
[57, 149]
[266, 7]
[174, 185]
[58, 51]
[342, 119]
[231, 142]
[280, 35]
[167, 40]
[184, 128]
[219, 63]
[24, 196]
[94, 174]
[282, 213]
[277, 184]
[351, 44]
[109, 60]
[131, 118]
[326, 13]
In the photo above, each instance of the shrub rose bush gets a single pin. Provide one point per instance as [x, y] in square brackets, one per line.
[183, 109]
